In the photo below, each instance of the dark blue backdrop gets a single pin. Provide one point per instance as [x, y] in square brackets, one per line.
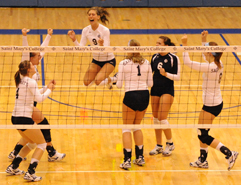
[120, 3]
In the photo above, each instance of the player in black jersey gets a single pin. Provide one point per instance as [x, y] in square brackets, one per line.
[166, 69]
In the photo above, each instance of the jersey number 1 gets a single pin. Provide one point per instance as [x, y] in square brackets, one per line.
[139, 71]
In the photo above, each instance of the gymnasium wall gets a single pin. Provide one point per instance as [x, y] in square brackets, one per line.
[120, 3]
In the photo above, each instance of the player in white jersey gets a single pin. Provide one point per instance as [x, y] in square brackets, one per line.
[166, 68]
[135, 72]
[37, 115]
[26, 93]
[103, 64]
[212, 102]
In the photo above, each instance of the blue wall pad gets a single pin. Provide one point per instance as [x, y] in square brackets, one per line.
[19, 3]
[65, 3]
[177, 3]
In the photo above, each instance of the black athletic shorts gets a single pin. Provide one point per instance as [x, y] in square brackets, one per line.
[215, 110]
[101, 64]
[159, 91]
[137, 100]
[22, 121]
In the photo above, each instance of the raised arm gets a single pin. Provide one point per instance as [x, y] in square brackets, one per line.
[203, 67]
[46, 40]
[204, 35]
[72, 36]
[25, 55]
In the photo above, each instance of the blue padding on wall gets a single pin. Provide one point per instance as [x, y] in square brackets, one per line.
[19, 3]
[120, 3]
[226, 3]
[125, 31]
[179, 3]
[65, 3]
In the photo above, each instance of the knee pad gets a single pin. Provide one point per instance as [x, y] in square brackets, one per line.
[164, 122]
[42, 146]
[31, 146]
[126, 130]
[204, 137]
[133, 130]
[46, 132]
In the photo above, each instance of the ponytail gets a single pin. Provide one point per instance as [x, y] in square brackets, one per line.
[17, 78]
[102, 13]
[22, 70]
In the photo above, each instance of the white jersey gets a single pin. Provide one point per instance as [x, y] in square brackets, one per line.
[26, 93]
[93, 36]
[135, 76]
[211, 80]
[26, 55]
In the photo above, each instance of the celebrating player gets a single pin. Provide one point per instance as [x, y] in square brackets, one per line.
[37, 116]
[166, 68]
[212, 102]
[26, 93]
[102, 64]
[135, 72]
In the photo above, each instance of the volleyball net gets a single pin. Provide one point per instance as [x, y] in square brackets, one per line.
[73, 105]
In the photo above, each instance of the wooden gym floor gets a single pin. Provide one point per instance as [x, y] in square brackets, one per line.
[93, 156]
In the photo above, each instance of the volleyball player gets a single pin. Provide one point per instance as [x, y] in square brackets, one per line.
[26, 93]
[135, 72]
[212, 102]
[102, 64]
[166, 68]
[37, 116]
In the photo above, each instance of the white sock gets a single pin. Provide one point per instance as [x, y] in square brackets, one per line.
[219, 146]
[104, 82]
[19, 156]
[169, 140]
[34, 160]
[113, 79]
[140, 146]
[128, 150]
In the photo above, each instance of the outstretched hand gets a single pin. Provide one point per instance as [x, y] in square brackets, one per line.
[71, 35]
[101, 42]
[204, 35]
[184, 40]
[51, 85]
[50, 31]
[25, 31]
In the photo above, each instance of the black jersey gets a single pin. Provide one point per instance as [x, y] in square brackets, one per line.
[170, 63]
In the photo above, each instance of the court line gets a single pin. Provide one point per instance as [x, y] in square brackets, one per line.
[229, 45]
[138, 171]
